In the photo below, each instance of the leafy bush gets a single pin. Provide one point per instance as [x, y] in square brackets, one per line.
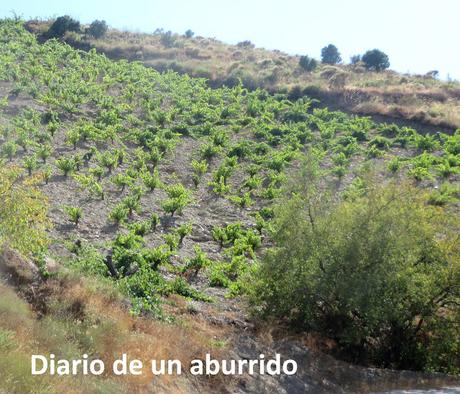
[376, 272]
[307, 63]
[330, 55]
[97, 29]
[140, 228]
[172, 240]
[62, 25]
[119, 213]
[167, 39]
[375, 60]
[151, 181]
[198, 262]
[9, 149]
[23, 213]
[66, 165]
[179, 198]
[75, 214]
[183, 230]
[30, 163]
[132, 203]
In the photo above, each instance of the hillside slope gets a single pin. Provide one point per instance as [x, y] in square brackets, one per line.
[163, 187]
[419, 99]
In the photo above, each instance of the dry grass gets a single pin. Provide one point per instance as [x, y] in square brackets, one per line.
[83, 316]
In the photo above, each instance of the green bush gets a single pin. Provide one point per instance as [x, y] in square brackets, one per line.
[376, 273]
[307, 63]
[198, 262]
[97, 29]
[119, 213]
[376, 60]
[179, 198]
[330, 55]
[62, 25]
[66, 165]
[75, 214]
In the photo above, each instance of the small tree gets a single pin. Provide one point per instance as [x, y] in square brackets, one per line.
[307, 63]
[97, 29]
[376, 60]
[330, 55]
[189, 33]
[62, 25]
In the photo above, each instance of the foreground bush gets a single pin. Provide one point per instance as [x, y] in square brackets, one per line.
[378, 273]
[23, 212]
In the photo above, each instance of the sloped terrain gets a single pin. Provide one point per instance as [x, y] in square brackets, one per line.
[163, 188]
[409, 99]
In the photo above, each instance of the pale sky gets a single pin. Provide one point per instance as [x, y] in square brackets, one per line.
[417, 35]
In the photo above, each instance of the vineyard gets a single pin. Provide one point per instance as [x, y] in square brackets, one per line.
[164, 187]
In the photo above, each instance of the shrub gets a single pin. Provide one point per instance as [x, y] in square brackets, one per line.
[198, 262]
[245, 44]
[330, 55]
[66, 165]
[355, 59]
[172, 240]
[108, 160]
[189, 33]
[167, 39]
[23, 213]
[30, 164]
[375, 60]
[140, 228]
[122, 180]
[62, 25]
[9, 149]
[74, 213]
[44, 152]
[119, 213]
[375, 273]
[97, 171]
[46, 173]
[394, 165]
[151, 181]
[242, 201]
[184, 230]
[181, 287]
[154, 220]
[307, 63]
[179, 198]
[380, 142]
[132, 203]
[97, 29]
[155, 257]
[208, 151]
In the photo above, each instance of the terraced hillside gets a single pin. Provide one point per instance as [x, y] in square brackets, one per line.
[163, 188]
